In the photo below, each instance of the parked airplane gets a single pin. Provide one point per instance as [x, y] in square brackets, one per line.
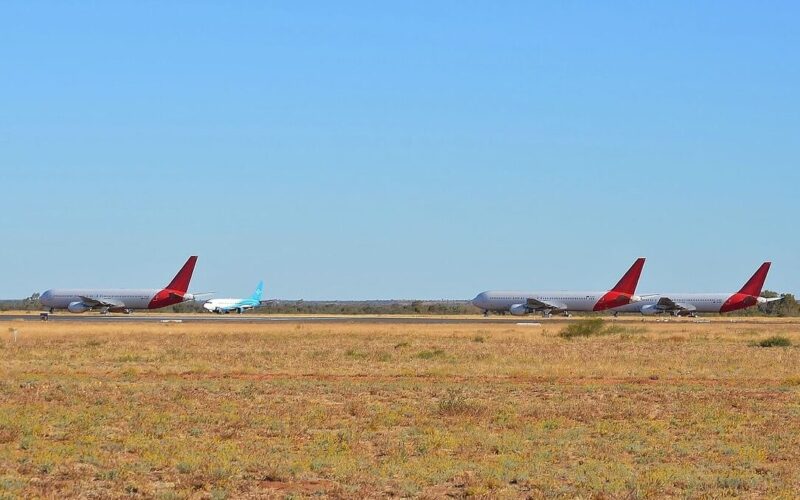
[519, 303]
[123, 300]
[224, 306]
[689, 304]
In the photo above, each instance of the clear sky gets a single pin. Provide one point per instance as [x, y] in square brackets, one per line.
[352, 150]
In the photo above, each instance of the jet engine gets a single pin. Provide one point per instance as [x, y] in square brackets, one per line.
[650, 310]
[518, 309]
[77, 307]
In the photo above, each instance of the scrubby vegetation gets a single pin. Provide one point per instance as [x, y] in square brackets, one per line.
[775, 341]
[362, 410]
[584, 328]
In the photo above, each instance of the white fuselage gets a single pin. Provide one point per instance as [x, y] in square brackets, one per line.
[224, 305]
[134, 298]
[503, 301]
[702, 302]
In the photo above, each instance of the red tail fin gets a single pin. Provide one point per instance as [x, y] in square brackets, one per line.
[756, 281]
[628, 282]
[181, 280]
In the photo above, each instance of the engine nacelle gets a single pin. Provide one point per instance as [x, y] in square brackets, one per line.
[518, 310]
[77, 307]
[650, 310]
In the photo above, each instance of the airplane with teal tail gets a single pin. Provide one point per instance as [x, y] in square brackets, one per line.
[224, 306]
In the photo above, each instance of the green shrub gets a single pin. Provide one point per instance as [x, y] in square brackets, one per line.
[775, 341]
[584, 328]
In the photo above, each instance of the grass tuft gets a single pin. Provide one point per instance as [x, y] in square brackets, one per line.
[436, 353]
[454, 403]
[774, 341]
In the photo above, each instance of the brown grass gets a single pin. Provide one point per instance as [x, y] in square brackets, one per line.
[215, 411]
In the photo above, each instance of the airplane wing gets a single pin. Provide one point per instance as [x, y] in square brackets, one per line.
[667, 304]
[102, 302]
[545, 305]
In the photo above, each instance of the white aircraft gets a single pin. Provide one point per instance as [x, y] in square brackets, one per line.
[519, 303]
[224, 306]
[689, 304]
[78, 300]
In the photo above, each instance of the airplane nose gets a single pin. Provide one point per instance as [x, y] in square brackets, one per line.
[479, 300]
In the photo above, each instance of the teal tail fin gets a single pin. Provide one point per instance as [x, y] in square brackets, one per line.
[259, 290]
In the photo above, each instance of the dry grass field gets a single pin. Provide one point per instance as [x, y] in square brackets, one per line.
[650, 409]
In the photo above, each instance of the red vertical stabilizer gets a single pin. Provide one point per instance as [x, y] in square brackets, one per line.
[180, 283]
[629, 281]
[623, 291]
[756, 281]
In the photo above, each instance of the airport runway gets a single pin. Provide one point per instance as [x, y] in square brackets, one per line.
[396, 320]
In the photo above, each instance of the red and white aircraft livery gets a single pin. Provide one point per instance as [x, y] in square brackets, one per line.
[689, 304]
[519, 303]
[122, 300]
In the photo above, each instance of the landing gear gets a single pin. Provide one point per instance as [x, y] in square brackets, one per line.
[486, 313]
[616, 313]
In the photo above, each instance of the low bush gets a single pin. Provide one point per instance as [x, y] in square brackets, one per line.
[774, 341]
[584, 328]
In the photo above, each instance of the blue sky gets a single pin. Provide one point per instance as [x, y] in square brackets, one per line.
[351, 150]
